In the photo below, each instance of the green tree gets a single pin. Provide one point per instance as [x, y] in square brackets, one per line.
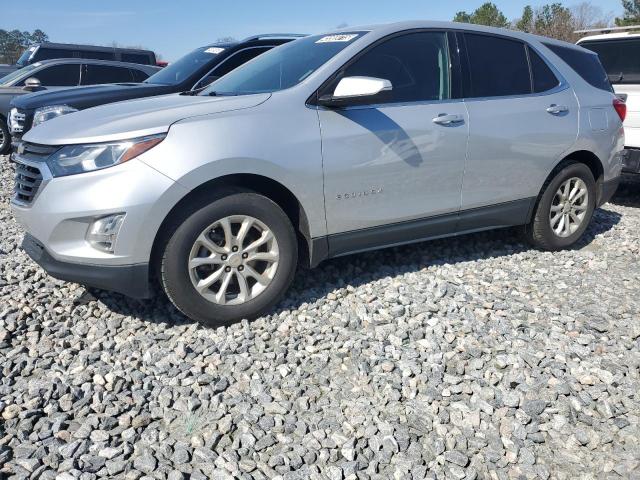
[486, 14]
[555, 21]
[14, 42]
[631, 13]
[525, 23]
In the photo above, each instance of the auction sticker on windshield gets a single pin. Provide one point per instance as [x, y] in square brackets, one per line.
[215, 50]
[337, 38]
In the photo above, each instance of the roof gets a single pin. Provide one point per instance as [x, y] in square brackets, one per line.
[417, 24]
[74, 46]
[610, 36]
[114, 63]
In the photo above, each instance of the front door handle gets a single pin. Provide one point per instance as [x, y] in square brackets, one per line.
[444, 119]
[554, 109]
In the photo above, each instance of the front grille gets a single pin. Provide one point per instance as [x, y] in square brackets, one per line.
[27, 182]
[17, 120]
[31, 171]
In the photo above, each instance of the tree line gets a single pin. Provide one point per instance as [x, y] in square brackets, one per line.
[14, 42]
[553, 19]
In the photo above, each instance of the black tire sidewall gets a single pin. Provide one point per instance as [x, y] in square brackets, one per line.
[543, 227]
[175, 274]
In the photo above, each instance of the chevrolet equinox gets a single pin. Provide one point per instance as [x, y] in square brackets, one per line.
[329, 145]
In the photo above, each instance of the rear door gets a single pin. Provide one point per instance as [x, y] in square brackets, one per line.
[523, 117]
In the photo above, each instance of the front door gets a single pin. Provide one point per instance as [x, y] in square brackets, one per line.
[399, 162]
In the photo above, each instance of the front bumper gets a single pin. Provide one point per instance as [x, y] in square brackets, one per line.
[631, 160]
[130, 280]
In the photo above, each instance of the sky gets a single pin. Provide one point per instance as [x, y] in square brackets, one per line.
[173, 28]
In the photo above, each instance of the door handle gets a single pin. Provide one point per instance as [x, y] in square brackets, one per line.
[554, 109]
[444, 119]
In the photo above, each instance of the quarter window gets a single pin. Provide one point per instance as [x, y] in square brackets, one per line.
[498, 66]
[59, 75]
[416, 64]
[543, 78]
[585, 64]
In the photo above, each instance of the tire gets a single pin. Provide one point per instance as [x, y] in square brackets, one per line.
[539, 232]
[185, 245]
[5, 137]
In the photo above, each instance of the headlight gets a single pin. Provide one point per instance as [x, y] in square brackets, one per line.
[74, 159]
[47, 113]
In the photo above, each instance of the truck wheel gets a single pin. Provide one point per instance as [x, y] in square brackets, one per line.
[5, 137]
[564, 209]
[231, 259]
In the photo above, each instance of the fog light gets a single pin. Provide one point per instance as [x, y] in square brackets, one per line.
[103, 232]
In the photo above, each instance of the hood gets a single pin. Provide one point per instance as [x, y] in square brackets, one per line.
[91, 96]
[137, 118]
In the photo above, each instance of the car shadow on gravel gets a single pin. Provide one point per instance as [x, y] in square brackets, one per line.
[628, 193]
[358, 269]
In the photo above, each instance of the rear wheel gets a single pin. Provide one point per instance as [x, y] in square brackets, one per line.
[231, 259]
[5, 137]
[564, 209]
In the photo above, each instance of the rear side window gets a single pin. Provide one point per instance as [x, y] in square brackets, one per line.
[59, 75]
[417, 65]
[50, 53]
[498, 66]
[619, 58]
[135, 58]
[543, 78]
[96, 74]
[585, 64]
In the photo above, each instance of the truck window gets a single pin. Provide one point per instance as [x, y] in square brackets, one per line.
[97, 55]
[50, 53]
[135, 58]
[620, 58]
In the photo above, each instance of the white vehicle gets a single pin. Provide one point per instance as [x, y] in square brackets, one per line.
[619, 52]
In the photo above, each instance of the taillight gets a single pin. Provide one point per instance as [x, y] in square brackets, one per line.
[620, 107]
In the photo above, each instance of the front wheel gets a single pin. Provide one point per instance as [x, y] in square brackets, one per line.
[231, 259]
[564, 209]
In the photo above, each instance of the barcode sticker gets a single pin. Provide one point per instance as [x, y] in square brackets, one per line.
[337, 38]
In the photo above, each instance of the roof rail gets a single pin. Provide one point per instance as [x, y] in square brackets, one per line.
[630, 28]
[275, 36]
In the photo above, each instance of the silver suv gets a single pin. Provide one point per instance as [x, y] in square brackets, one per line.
[328, 145]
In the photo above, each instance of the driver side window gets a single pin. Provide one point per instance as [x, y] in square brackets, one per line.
[229, 64]
[417, 64]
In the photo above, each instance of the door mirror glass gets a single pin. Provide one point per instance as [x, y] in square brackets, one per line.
[32, 83]
[356, 88]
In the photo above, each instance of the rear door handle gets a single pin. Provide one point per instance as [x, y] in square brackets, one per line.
[444, 119]
[554, 109]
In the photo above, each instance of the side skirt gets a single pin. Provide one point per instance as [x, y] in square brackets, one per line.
[508, 214]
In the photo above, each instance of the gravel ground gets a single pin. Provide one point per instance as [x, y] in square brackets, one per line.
[475, 357]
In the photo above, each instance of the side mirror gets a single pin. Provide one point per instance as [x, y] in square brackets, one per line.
[351, 89]
[31, 84]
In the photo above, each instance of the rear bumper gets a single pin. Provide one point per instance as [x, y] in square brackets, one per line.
[130, 280]
[631, 160]
[606, 190]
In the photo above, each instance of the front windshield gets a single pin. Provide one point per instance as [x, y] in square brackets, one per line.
[283, 67]
[180, 70]
[24, 58]
[8, 79]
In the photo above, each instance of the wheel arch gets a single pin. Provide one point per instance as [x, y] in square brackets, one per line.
[263, 185]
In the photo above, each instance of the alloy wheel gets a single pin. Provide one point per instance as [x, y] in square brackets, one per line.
[233, 260]
[569, 207]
